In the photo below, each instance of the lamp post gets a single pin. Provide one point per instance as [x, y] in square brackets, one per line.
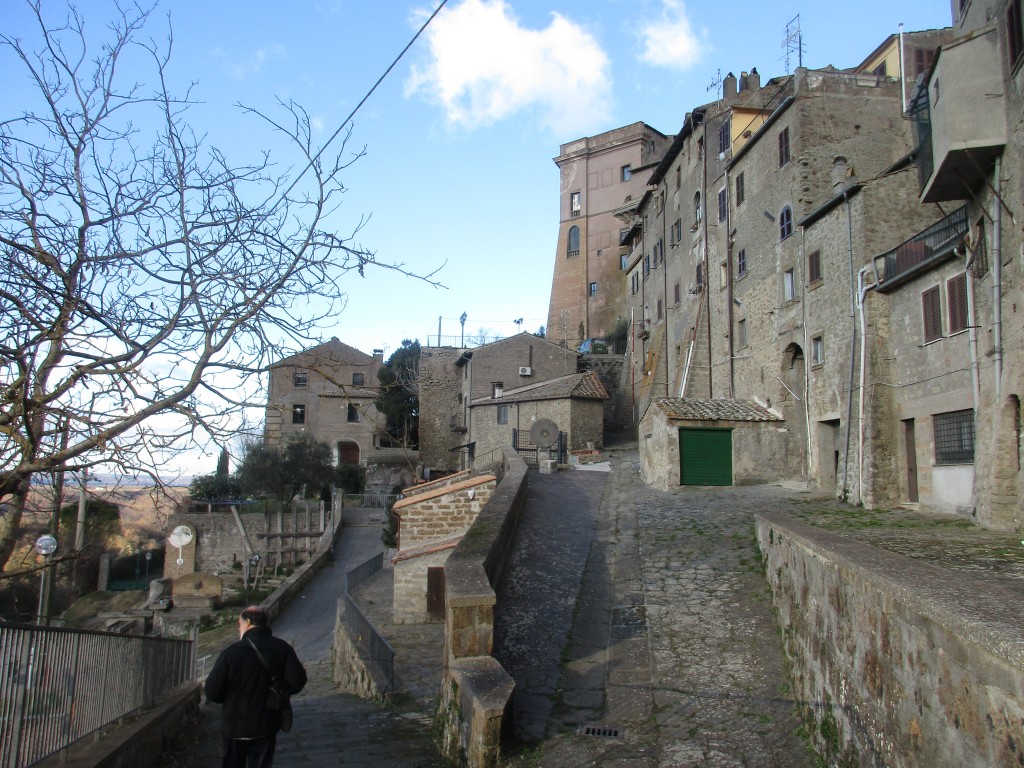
[45, 545]
[462, 321]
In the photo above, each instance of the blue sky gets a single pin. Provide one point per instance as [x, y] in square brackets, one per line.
[459, 139]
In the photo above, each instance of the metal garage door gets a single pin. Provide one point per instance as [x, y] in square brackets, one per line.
[705, 456]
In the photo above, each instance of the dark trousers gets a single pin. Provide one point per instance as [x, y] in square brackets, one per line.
[249, 753]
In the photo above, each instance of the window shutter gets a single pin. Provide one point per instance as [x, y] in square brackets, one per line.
[932, 314]
[956, 294]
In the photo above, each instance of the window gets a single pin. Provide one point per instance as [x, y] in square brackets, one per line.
[817, 350]
[697, 210]
[300, 379]
[814, 267]
[724, 137]
[352, 416]
[740, 192]
[956, 303]
[660, 311]
[1015, 32]
[627, 172]
[634, 283]
[574, 204]
[358, 379]
[922, 61]
[784, 147]
[788, 285]
[298, 414]
[623, 261]
[932, 311]
[593, 289]
[723, 205]
[785, 223]
[700, 276]
[679, 177]
[741, 262]
[954, 437]
[502, 414]
[574, 241]
[498, 388]
[677, 231]
[647, 265]
[723, 274]
[741, 334]
[677, 294]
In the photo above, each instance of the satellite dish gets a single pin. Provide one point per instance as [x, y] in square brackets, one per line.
[180, 536]
[544, 433]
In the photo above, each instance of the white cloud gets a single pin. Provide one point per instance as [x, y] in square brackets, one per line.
[484, 66]
[670, 41]
[253, 63]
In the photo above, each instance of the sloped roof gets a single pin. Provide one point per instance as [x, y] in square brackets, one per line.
[333, 351]
[576, 386]
[699, 409]
[532, 338]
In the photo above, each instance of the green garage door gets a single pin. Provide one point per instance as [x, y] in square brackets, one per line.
[705, 456]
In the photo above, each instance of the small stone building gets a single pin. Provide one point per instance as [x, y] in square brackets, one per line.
[690, 441]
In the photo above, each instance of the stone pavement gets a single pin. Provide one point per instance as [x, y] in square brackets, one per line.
[637, 625]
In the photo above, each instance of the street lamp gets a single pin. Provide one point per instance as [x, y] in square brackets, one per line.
[462, 320]
[45, 545]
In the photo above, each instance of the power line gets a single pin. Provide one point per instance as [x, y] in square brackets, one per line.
[362, 101]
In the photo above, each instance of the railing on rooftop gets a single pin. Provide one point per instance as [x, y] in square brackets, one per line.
[921, 252]
[60, 685]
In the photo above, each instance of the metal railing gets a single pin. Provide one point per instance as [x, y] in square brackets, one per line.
[60, 685]
[361, 628]
[921, 251]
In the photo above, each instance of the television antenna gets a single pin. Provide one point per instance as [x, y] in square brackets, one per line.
[716, 83]
[794, 42]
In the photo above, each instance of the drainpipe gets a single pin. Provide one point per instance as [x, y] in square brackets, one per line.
[903, 82]
[997, 274]
[862, 290]
[972, 331]
[729, 287]
[853, 348]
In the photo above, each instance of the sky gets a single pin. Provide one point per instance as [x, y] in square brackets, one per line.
[457, 178]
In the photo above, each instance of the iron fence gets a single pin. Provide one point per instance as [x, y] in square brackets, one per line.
[60, 685]
[361, 628]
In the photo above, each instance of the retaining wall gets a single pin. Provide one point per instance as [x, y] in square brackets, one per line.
[898, 663]
[475, 690]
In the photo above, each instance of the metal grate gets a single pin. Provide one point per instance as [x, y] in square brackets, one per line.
[603, 731]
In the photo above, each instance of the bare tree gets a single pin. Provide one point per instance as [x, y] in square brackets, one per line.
[147, 280]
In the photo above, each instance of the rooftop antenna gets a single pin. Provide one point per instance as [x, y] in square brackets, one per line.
[794, 42]
[716, 83]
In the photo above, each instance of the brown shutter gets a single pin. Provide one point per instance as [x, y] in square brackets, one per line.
[932, 308]
[956, 294]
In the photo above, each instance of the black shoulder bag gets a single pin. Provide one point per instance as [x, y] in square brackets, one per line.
[278, 699]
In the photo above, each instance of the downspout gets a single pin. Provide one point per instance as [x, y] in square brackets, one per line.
[664, 285]
[729, 287]
[704, 256]
[903, 82]
[972, 330]
[853, 350]
[997, 274]
[862, 290]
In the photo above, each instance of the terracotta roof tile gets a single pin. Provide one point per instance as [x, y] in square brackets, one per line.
[699, 409]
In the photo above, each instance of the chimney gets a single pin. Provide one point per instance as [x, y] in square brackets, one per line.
[378, 355]
[729, 86]
[743, 82]
[753, 80]
[842, 175]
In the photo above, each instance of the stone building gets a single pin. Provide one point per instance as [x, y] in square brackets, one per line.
[598, 177]
[329, 393]
[472, 401]
[969, 119]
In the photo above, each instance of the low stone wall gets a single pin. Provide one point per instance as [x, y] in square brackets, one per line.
[898, 662]
[475, 690]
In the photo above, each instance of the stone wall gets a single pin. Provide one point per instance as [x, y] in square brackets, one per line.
[897, 662]
[440, 384]
[475, 690]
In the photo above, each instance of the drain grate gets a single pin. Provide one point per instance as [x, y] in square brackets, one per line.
[604, 731]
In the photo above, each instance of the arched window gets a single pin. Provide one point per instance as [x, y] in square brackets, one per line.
[785, 223]
[574, 242]
[697, 211]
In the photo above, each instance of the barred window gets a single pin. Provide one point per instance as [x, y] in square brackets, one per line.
[954, 437]
[300, 379]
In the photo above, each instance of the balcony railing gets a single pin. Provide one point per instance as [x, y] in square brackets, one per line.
[921, 252]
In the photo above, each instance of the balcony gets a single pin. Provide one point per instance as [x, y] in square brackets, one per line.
[960, 118]
[922, 252]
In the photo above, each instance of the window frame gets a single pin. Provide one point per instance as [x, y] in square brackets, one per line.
[742, 340]
[789, 285]
[725, 136]
[300, 379]
[501, 414]
[626, 172]
[352, 414]
[954, 437]
[740, 189]
[817, 350]
[741, 263]
[298, 413]
[358, 379]
[571, 252]
[723, 204]
[592, 289]
[575, 206]
[785, 223]
[814, 267]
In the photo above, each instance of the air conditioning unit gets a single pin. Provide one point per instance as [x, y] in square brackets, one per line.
[525, 370]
